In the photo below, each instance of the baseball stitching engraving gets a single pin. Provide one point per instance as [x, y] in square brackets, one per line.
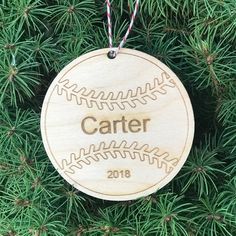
[114, 151]
[101, 99]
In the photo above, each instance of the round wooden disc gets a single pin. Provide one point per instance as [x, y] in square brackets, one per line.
[117, 129]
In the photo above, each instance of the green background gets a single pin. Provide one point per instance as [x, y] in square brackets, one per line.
[195, 38]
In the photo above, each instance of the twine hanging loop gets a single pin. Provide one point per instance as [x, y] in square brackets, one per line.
[113, 53]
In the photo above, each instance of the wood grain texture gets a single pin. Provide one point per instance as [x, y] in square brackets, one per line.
[117, 129]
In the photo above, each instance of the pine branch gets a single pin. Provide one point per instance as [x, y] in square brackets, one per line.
[212, 217]
[203, 168]
[195, 38]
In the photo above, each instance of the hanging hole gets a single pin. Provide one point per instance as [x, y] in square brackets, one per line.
[111, 54]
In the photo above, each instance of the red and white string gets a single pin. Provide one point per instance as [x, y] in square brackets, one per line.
[123, 41]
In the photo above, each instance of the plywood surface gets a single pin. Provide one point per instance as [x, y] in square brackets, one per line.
[117, 129]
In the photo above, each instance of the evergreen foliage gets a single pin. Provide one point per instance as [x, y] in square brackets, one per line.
[196, 39]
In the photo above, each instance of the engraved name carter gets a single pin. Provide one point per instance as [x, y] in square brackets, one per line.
[90, 125]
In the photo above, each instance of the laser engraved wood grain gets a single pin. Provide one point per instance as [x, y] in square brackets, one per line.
[114, 151]
[118, 99]
[117, 129]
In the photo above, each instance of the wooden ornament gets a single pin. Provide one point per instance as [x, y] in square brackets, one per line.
[117, 129]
